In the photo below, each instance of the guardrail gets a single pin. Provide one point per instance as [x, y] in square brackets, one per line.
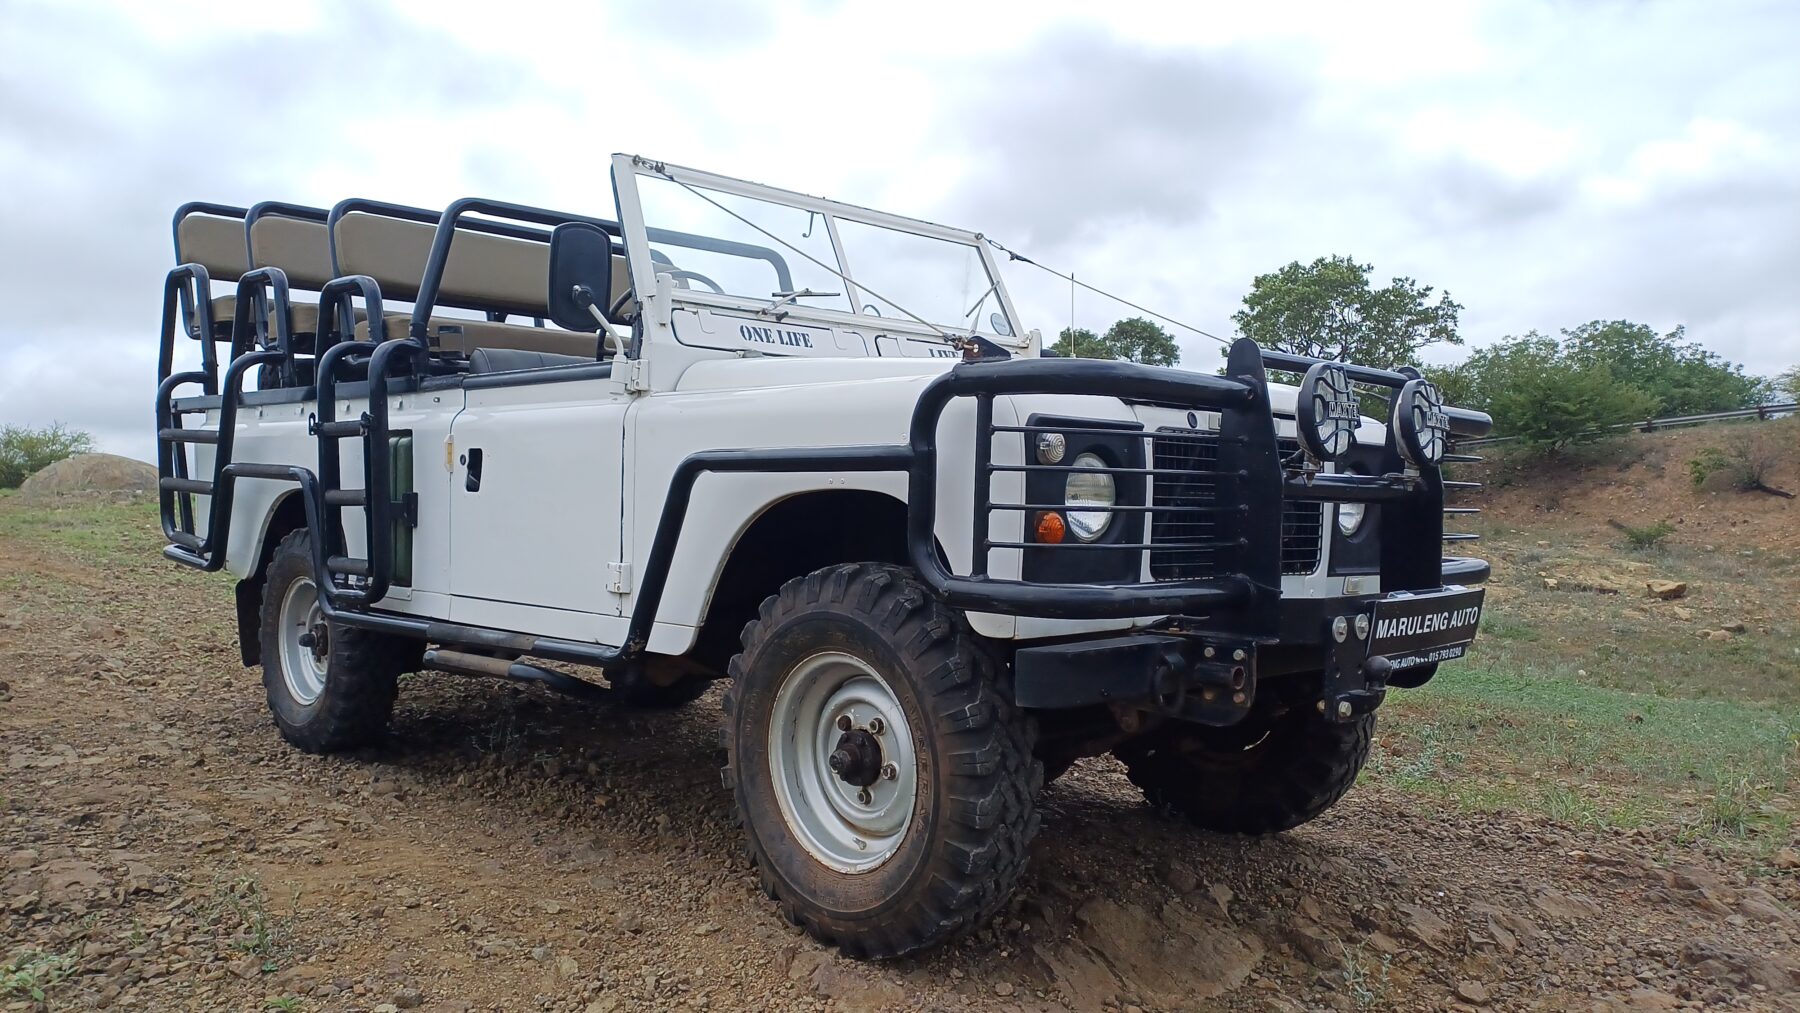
[1767, 411]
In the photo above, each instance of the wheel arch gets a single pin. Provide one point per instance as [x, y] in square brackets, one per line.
[790, 537]
[288, 513]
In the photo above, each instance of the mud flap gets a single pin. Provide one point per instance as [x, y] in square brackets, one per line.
[249, 620]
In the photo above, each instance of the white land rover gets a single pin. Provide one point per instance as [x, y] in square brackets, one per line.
[740, 433]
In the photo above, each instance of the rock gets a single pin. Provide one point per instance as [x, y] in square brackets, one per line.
[1563, 906]
[1759, 906]
[1551, 583]
[566, 967]
[409, 998]
[106, 476]
[1425, 926]
[386, 1007]
[1003, 989]
[1643, 1000]
[1682, 613]
[1167, 957]
[805, 963]
[1319, 947]
[1473, 992]
[1180, 878]
[1667, 590]
[1786, 858]
[1720, 961]
[853, 988]
[631, 921]
[68, 878]
[1716, 635]
[1735, 626]
[604, 1004]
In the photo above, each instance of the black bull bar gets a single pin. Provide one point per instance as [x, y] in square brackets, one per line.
[1252, 483]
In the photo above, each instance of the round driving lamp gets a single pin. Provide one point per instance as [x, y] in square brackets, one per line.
[1421, 427]
[1326, 413]
[1089, 497]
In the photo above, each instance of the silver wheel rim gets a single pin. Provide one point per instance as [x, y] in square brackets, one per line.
[847, 827]
[305, 648]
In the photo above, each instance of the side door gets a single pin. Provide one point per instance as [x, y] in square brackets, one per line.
[535, 495]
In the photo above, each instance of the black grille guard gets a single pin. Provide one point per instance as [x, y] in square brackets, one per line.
[1253, 483]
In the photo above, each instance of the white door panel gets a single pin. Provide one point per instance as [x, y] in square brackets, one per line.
[535, 494]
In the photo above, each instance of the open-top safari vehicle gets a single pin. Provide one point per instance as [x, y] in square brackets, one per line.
[733, 432]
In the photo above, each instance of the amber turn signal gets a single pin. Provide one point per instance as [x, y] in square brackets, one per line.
[1050, 527]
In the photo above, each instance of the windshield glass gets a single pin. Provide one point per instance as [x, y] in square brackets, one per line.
[776, 252]
[943, 282]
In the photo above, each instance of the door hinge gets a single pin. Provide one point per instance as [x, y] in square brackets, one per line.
[637, 377]
[620, 581]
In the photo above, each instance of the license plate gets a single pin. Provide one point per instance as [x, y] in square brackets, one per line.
[1419, 629]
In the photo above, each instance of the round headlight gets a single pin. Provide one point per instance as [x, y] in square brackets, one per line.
[1350, 517]
[1089, 496]
[1421, 428]
[1326, 413]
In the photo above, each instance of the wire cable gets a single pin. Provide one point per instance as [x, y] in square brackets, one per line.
[1070, 278]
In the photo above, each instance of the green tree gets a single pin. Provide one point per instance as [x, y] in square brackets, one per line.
[1547, 394]
[1328, 309]
[1079, 342]
[25, 451]
[1140, 340]
[1788, 383]
[1682, 377]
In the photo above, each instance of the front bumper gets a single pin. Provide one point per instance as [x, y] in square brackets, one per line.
[1359, 646]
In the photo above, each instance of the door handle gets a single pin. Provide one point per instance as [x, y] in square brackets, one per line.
[472, 473]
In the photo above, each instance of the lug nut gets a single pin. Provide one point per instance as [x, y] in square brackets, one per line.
[1344, 708]
[889, 772]
[877, 726]
[1238, 698]
[863, 796]
[1209, 652]
[843, 722]
[1238, 655]
[1208, 694]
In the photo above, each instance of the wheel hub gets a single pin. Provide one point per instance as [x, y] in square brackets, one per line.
[842, 762]
[857, 758]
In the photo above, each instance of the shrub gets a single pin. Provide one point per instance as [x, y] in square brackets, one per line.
[1710, 461]
[1647, 537]
[1548, 398]
[25, 451]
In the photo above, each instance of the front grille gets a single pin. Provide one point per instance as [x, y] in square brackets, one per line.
[1184, 529]
[1184, 490]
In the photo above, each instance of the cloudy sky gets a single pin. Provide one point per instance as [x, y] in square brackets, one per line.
[1546, 163]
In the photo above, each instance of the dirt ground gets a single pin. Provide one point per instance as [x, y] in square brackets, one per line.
[162, 849]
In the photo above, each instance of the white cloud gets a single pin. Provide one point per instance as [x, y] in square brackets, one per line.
[1546, 163]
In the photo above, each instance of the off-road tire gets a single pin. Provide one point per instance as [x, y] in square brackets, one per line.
[1272, 773]
[975, 811]
[357, 701]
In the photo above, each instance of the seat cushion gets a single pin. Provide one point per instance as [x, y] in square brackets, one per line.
[504, 360]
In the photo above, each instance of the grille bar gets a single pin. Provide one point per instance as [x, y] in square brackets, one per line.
[1184, 469]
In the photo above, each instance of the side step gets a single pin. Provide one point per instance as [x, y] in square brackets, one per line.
[462, 663]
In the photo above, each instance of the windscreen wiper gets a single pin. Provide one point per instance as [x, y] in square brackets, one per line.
[783, 298]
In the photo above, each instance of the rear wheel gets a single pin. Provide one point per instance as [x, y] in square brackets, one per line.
[883, 777]
[330, 687]
[1272, 772]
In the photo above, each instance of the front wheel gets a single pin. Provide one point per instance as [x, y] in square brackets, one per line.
[883, 777]
[1269, 773]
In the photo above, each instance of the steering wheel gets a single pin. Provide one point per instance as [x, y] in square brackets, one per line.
[618, 306]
